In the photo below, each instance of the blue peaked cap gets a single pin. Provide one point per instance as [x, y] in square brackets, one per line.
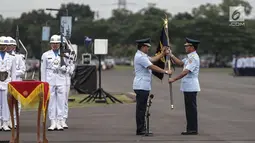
[145, 41]
[192, 42]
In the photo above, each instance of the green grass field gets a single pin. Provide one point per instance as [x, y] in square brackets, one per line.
[77, 98]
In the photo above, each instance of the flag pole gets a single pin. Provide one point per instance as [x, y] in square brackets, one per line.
[168, 61]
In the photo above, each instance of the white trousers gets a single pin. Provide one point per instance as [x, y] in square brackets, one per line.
[66, 101]
[4, 108]
[57, 102]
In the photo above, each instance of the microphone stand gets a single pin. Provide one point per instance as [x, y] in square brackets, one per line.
[147, 115]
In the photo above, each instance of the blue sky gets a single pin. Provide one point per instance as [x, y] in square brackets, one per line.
[14, 8]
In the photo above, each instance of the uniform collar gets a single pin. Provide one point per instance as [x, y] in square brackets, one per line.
[192, 53]
[141, 52]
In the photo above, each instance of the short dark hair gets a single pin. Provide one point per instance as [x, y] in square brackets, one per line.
[195, 47]
[139, 46]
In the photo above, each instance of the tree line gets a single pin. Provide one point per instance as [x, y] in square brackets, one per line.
[209, 23]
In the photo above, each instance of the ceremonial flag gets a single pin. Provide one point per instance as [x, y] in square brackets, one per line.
[163, 41]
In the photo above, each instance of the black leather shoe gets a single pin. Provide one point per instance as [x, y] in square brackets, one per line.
[148, 134]
[189, 133]
[140, 133]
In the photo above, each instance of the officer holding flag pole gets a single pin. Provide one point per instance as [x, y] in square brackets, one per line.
[189, 84]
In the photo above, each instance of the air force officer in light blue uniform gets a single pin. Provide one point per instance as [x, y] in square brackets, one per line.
[189, 83]
[142, 82]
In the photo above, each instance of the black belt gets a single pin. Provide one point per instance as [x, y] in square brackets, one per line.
[56, 71]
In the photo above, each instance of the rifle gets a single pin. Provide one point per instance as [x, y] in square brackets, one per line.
[18, 41]
[61, 48]
[17, 38]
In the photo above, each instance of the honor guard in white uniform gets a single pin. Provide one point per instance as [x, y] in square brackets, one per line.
[55, 74]
[234, 63]
[70, 69]
[20, 68]
[7, 74]
[253, 65]
[242, 65]
[249, 65]
[246, 65]
[143, 77]
[189, 84]
[239, 65]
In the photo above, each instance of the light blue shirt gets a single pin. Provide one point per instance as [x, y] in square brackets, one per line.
[190, 83]
[143, 74]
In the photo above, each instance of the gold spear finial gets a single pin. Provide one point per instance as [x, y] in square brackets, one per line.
[165, 20]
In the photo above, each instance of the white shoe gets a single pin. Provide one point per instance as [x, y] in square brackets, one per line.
[5, 126]
[59, 127]
[63, 124]
[10, 124]
[53, 125]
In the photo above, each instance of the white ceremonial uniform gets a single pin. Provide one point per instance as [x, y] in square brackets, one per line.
[20, 66]
[246, 65]
[245, 62]
[239, 66]
[190, 82]
[253, 66]
[233, 63]
[253, 62]
[20, 71]
[142, 80]
[51, 72]
[239, 63]
[70, 70]
[249, 66]
[7, 64]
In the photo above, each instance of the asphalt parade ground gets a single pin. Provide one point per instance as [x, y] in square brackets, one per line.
[226, 110]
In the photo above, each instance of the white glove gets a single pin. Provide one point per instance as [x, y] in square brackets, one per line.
[63, 68]
[54, 68]
[68, 70]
